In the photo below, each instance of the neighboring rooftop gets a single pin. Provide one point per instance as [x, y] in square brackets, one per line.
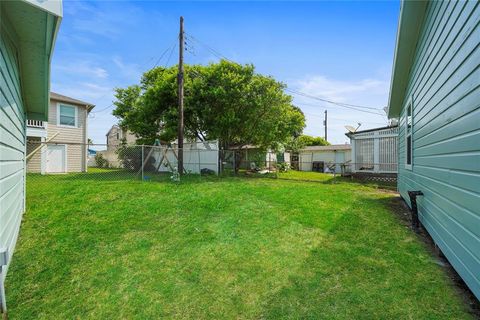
[348, 134]
[332, 147]
[60, 97]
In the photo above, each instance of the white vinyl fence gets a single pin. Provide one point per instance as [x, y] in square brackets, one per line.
[196, 156]
[375, 151]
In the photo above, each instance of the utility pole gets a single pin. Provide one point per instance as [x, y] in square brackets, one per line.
[325, 124]
[180, 99]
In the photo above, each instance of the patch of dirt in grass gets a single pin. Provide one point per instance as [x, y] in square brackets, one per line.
[402, 211]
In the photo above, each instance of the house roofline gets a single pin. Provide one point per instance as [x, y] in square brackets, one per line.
[411, 18]
[62, 98]
[370, 130]
[110, 130]
[34, 33]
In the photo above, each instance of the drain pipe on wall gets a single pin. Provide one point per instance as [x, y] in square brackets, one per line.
[413, 201]
[3, 300]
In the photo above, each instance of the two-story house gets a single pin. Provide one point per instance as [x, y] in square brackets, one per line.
[116, 135]
[60, 144]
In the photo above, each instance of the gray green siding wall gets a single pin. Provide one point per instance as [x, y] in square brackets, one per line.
[12, 144]
[444, 86]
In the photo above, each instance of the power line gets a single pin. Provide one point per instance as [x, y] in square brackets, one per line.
[163, 54]
[333, 108]
[340, 119]
[352, 108]
[355, 107]
[170, 55]
[331, 101]
[195, 73]
[340, 104]
[171, 48]
[212, 50]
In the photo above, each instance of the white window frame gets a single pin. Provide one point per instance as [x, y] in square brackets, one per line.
[58, 115]
[409, 108]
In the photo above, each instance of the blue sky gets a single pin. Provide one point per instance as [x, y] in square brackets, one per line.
[342, 51]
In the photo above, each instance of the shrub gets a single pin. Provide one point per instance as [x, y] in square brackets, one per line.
[100, 161]
[283, 166]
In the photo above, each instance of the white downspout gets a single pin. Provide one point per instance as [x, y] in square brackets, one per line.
[3, 299]
[85, 141]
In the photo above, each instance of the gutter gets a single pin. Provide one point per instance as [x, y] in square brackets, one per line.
[410, 21]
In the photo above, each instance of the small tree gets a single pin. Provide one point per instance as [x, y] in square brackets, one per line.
[100, 161]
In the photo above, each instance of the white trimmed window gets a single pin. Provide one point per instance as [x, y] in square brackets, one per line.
[408, 136]
[67, 115]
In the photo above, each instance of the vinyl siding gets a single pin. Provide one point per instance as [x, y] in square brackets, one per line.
[444, 86]
[34, 163]
[74, 138]
[112, 140]
[12, 145]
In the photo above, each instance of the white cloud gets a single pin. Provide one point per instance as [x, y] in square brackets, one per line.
[129, 70]
[82, 68]
[372, 92]
[87, 91]
[87, 18]
[344, 91]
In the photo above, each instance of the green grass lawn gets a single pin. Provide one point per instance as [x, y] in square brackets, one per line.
[220, 248]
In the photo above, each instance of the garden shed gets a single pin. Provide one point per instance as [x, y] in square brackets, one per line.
[324, 158]
[374, 150]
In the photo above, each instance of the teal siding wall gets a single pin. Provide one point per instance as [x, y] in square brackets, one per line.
[444, 86]
[12, 145]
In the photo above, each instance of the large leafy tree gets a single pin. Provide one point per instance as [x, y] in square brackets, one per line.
[224, 101]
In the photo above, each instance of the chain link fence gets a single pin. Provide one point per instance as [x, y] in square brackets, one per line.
[114, 162]
[75, 161]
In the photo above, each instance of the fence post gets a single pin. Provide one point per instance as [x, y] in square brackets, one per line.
[376, 152]
[234, 163]
[143, 156]
[269, 161]
[335, 173]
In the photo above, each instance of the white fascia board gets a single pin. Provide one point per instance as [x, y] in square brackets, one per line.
[51, 6]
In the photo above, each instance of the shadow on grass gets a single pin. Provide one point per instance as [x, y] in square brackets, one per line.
[331, 179]
[364, 270]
